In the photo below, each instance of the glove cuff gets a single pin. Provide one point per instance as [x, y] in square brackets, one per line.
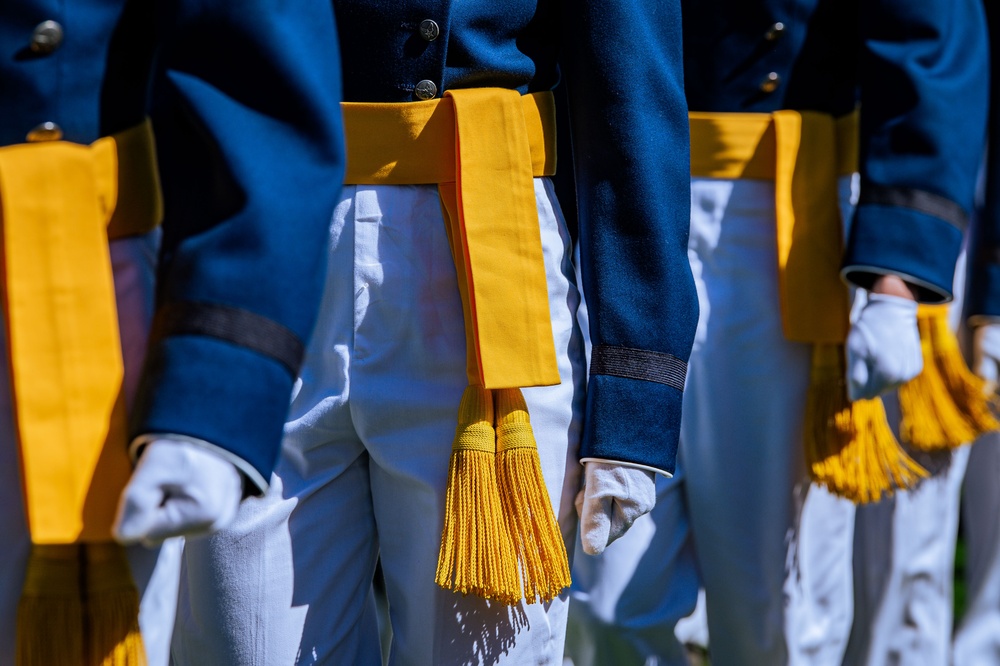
[621, 463]
[897, 302]
[251, 477]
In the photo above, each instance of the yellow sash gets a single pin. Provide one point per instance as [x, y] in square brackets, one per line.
[814, 301]
[482, 147]
[849, 447]
[945, 406]
[59, 202]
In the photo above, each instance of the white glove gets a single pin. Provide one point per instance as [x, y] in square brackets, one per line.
[986, 353]
[178, 488]
[883, 347]
[612, 497]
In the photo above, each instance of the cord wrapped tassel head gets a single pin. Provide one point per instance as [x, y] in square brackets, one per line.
[946, 405]
[849, 447]
[538, 541]
[79, 606]
[477, 555]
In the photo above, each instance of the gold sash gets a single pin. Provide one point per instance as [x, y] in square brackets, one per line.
[60, 202]
[849, 447]
[803, 153]
[482, 148]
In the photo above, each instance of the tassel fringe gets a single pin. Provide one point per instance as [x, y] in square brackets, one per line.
[946, 405]
[79, 606]
[849, 447]
[527, 508]
[477, 553]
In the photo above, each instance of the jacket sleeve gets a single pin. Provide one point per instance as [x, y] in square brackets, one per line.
[250, 145]
[983, 256]
[622, 64]
[923, 74]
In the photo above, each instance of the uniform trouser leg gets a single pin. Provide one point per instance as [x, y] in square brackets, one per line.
[904, 562]
[904, 555]
[742, 448]
[775, 594]
[603, 631]
[627, 600]
[820, 611]
[155, 571]
[364, 466]
[977, 639]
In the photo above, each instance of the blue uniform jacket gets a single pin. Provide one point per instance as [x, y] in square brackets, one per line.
[249, 136]
[621, 61]
[983, 278]
[918, 70]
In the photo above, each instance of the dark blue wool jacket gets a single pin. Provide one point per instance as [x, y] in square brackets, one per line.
[621, 61]
[918, 69]
[249, 135]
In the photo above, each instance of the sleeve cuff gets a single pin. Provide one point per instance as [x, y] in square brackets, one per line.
[865, 276]
[218, 392]
[920, 248]
[631, 420]
[982, 320]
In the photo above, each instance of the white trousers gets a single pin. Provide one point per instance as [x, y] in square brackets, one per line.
[977, 638]
[155, 571]
[778, 586]
[363, 468]
[904, 559]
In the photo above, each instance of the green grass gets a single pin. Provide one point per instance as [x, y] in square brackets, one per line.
[959, 587]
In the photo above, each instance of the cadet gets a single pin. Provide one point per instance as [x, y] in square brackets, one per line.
[772, 87]
[250, 158]
[451, 289]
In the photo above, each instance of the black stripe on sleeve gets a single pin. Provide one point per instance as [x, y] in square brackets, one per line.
[641, 364]
[918, 200]
[240, 327]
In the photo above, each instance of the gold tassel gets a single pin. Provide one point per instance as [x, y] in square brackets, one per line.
[849, 447]
[51, 606]
[79, 606]
[477, 554]
[946, 405]
[112, 608]
[538, 540]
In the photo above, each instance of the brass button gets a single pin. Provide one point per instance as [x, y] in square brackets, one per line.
[426, 90]
[44, 132]
[47, 37]
[775, 31]
[770, 83]
[429, 30]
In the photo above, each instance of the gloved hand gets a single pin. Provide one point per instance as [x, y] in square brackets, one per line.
[178, 488]
[986, 353]
[612, 497]
[883, 347]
